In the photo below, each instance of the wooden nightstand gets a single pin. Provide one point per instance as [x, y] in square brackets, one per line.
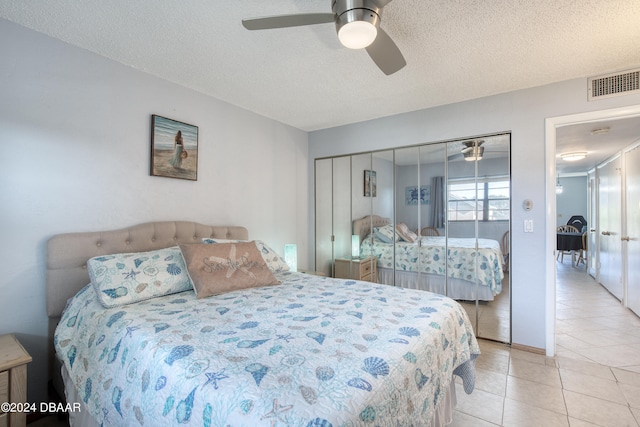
[13, 379]
[358, 269]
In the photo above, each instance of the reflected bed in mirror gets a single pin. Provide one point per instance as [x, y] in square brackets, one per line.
[423, 264]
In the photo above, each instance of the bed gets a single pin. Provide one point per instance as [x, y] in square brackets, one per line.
[309, 351]
[422, 264]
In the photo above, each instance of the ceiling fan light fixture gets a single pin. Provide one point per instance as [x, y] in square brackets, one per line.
[474, 154]
[573, 157]
[357, 28]
[357, 34]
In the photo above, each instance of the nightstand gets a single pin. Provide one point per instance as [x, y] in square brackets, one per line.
[13, 379]
[358, 269]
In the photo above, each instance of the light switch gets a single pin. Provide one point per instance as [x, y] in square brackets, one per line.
[528, 226]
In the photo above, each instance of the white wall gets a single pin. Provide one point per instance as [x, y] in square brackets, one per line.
[523, 113]
[75, 135]
[573, 199]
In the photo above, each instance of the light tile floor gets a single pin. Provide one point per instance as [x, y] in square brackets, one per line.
[594, 379]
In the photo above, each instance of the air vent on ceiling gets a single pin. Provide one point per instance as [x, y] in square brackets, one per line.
[617, 84]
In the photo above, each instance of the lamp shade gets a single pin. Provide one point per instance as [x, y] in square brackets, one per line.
[291, 256]
[355, 246]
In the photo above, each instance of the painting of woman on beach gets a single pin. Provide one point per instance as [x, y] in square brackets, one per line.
[174, 148]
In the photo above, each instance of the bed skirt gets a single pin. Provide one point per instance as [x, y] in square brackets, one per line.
[457, 289]
[82, 418]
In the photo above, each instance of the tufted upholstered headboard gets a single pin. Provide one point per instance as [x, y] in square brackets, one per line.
[363, 226]
[67, 256]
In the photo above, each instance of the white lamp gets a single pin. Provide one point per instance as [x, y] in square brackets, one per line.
[291, 256]
[355, 246]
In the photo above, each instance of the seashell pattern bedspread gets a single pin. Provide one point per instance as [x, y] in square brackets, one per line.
[429, 255]
[312, 351]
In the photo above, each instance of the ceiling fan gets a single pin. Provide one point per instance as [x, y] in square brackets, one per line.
[473, 150]
[358, 26]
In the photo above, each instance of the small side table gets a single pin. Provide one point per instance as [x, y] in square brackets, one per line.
[13, 379]
[357, 268]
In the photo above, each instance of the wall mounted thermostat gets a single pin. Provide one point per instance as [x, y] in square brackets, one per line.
[527, 205]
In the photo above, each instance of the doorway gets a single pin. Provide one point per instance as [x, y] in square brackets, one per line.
[551, 128]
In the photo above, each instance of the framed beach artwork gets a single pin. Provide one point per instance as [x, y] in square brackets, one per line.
[370, 185]
[415, 195]
[174, 149]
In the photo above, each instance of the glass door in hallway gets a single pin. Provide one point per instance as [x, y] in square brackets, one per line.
[610, 226]
[632, 235]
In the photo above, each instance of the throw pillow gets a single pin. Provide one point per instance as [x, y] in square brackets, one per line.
[225, 267]
[406, 234]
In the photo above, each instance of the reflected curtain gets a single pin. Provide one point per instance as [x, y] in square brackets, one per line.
[437, 202]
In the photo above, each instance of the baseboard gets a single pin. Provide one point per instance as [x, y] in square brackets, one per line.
[530, 349]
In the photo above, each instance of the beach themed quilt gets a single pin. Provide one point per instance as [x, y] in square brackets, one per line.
[459, 259]
[312, 351]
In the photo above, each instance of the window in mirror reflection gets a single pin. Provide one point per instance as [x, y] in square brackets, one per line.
[485, 200]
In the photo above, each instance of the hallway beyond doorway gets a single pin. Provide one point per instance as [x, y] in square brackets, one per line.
[591, 324]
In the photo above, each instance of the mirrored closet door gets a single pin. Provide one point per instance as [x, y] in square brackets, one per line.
[434, 217]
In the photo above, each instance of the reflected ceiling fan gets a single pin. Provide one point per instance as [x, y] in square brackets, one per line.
[358, 26]
[473, 150]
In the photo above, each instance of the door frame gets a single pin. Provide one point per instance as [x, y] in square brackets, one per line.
[551, 124]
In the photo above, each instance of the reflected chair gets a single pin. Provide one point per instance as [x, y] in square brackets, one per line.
[429, 231]
[582, 255]
[504, 247]
[565, 229]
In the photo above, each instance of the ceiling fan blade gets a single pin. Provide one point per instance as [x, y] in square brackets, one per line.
[385, 53]
[284, 21]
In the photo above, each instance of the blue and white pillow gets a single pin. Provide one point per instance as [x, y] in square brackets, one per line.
[271, 257]
[386, 233]
[122, 279]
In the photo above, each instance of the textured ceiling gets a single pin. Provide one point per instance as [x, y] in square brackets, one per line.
[599, 147]
[455, 50]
